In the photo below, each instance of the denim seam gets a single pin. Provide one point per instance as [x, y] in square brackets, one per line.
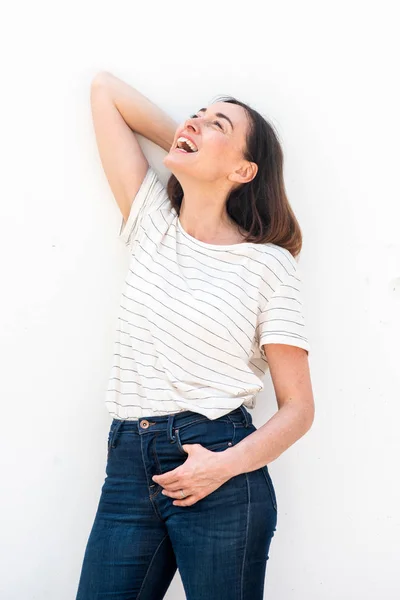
[198, 421]
[236, 427]
[267, 476]
[151, 562]
[150, 497]
[213, 448]
[247, 535]
[154, 450]
[113, 433]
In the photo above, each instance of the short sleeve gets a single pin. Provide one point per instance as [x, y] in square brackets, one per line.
[151, 195]
[282, 320]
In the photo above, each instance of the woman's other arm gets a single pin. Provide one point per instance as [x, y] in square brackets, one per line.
[118, 111]
[290, 373]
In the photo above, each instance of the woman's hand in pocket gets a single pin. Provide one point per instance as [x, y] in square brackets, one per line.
[201, 474]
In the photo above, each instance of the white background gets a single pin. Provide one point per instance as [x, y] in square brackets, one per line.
[326, 75]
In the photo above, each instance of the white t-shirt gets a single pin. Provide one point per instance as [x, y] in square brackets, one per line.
[193, 316]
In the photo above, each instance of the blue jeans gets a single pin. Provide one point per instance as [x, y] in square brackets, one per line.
[139, 538]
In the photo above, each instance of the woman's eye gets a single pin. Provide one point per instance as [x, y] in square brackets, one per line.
[214, 122]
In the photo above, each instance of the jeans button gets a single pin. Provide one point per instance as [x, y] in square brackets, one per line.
[144, 424]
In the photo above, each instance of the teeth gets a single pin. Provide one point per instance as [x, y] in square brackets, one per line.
[192, 146]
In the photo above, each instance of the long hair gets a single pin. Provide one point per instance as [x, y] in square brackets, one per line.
[261, 206]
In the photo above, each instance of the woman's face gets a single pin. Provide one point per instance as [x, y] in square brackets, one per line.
[218, 136]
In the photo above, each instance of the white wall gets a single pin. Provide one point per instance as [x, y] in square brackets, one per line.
[327, 77]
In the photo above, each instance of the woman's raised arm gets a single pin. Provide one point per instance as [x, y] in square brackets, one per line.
[118, 111]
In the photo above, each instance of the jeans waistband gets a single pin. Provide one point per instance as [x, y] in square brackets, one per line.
[163, 422]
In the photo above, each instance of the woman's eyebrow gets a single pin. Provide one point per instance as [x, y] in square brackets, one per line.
[221, 115]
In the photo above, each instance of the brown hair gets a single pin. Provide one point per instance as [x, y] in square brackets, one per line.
[261, 206]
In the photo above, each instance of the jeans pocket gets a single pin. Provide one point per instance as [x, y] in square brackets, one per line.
[214, 435]
[270, 486]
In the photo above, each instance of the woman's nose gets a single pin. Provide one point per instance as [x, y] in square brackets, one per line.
[191, 123]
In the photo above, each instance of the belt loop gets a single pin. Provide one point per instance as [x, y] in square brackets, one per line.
[170, 436]
[246, 416]
[114, 433]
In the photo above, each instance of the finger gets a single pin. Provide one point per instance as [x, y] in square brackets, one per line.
[186, 502]
[189, 500]
[174, 494]
[172, 484]
[167, 478]
[176, 488]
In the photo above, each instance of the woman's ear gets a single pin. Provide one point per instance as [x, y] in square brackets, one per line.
[245, 173]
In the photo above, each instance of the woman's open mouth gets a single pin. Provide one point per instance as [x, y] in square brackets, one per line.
[185, 145]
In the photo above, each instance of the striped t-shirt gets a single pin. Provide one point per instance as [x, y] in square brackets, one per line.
[194, 316]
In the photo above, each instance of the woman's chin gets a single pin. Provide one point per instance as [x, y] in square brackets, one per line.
[177, 161]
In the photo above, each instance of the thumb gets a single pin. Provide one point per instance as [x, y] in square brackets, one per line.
[190, 447]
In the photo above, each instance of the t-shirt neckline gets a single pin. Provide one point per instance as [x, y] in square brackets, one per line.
[210, 246]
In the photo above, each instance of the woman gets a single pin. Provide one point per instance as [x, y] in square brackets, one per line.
[212, 299]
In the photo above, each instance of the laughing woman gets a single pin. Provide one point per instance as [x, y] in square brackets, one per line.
[211, 300]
